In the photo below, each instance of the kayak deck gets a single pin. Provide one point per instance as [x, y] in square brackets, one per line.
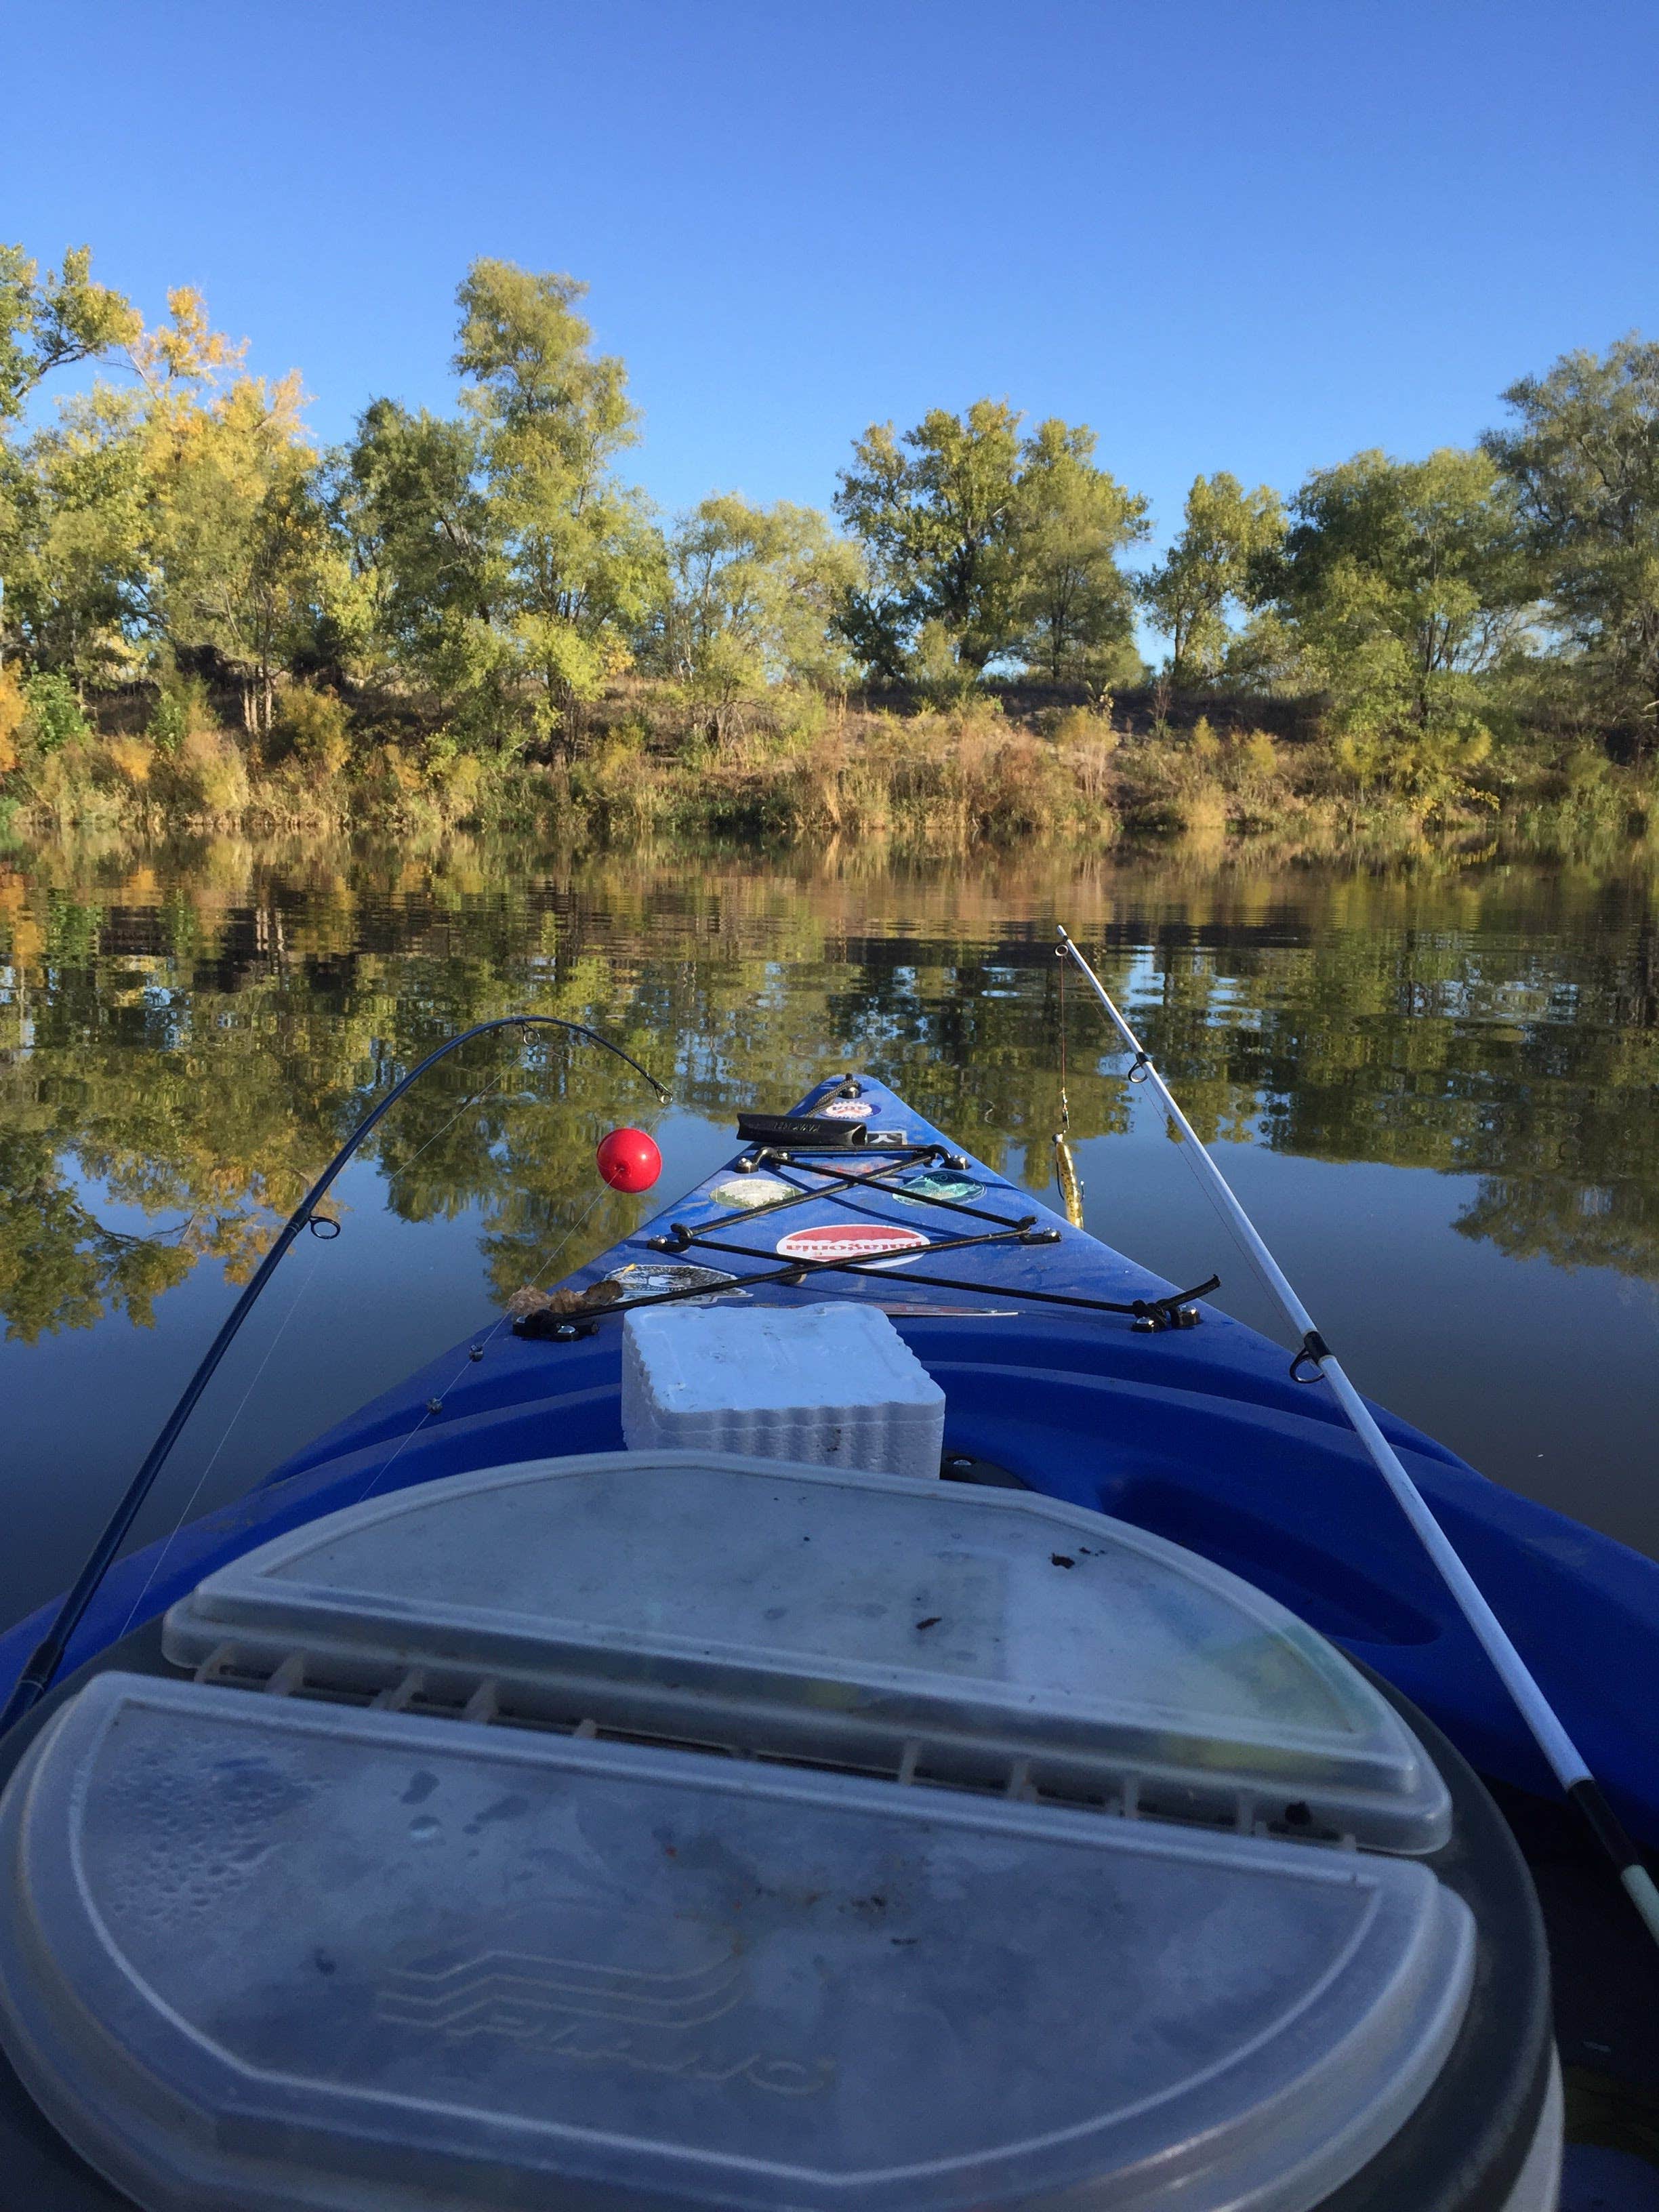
[1196, 1434]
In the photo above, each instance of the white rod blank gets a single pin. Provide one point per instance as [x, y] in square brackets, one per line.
[1564, 1757]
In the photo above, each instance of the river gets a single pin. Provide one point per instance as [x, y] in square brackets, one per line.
[1435, 1088]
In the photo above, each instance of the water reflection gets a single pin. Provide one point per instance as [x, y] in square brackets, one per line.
[183, 1041]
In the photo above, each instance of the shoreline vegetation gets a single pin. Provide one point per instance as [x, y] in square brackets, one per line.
[472, 624]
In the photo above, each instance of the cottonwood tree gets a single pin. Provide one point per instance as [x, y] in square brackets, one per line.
[936, 511]
[1074, 605]
[1582, 456]
[1208, 581]
[242, 559]
[61, 576]
[982, 545]
[1407, 585]
[577, 547]
[751, 595]
[428, 559]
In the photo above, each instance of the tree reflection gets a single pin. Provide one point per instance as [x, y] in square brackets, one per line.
[184, 1042]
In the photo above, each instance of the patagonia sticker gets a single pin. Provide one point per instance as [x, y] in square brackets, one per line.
[849, 1240]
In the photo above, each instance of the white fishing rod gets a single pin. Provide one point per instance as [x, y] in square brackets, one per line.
[1567, 1761]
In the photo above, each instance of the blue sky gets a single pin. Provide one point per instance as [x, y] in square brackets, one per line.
[1251, 236]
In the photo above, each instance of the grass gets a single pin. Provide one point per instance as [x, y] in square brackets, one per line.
[791, 772]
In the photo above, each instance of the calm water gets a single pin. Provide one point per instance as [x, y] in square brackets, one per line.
[1435, 1091]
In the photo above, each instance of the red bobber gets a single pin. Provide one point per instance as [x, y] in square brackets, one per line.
[629, 1159]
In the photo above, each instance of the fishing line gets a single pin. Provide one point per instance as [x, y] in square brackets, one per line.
[189, 1506]
[44, 1660]
[476, 1352]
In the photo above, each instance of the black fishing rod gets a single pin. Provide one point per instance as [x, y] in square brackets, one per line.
[45, 1660]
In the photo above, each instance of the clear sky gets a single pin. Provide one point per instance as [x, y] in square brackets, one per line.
[1251, 236]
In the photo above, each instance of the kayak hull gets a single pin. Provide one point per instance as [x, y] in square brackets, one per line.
[1198, 1435]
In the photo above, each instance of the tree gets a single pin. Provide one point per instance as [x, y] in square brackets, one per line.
[53, 321]
[1407, 585]
[1583, 459]
[426, 549]
[579, 550]
[241, 545]
[1211, 574]
[1074, 603]
[752, 592]
[73, 540]
[48, 323]
[982, 546]
[937, 525]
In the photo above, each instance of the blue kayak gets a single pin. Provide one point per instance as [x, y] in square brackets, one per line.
[1059, 1376]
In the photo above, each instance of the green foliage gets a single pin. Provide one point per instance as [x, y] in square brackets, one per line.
[750, 598]
[1583, 458]
[1212, 575]
[490, 576]
[579, 555]
[937, 523]
[1408, 586]
[982, 546]
[54, 718]
[1074, 605]
[53, 321]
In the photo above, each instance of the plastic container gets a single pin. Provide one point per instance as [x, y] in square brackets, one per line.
[937, 1631]
[264, 1953]
[831, 1385]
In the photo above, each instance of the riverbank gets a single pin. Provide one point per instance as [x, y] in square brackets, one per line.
[807, 773]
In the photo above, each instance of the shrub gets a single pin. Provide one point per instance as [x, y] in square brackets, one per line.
[133, 758]
[54, 716]
[315, 727]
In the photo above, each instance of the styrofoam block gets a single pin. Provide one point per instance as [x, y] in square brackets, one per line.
[822, 1385]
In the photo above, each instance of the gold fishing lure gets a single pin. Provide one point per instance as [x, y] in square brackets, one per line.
[1065, 1175]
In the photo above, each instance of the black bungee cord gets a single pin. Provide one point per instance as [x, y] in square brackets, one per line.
[43, 1663]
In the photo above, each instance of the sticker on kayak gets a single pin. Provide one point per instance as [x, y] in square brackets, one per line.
[849, 1240]
[940, 1186]
[749, 1190]
[649, 1278]
[847, 1110]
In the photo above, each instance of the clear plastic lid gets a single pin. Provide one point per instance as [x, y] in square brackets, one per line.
[940, 1631]
[259, 1953]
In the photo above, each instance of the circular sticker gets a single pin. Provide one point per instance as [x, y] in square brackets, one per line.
[751, 1190]
[847, 1110]
[849, 1240]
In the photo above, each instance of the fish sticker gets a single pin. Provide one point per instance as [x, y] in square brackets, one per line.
[846, 1109]
[650, 1279]
[962, 1188]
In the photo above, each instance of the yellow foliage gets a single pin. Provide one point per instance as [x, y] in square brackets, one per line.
[133, 757]
[317, 727]
[1204, 744]
[1082, 726]
[1259, 755]
[12, 708]
[188, 351]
